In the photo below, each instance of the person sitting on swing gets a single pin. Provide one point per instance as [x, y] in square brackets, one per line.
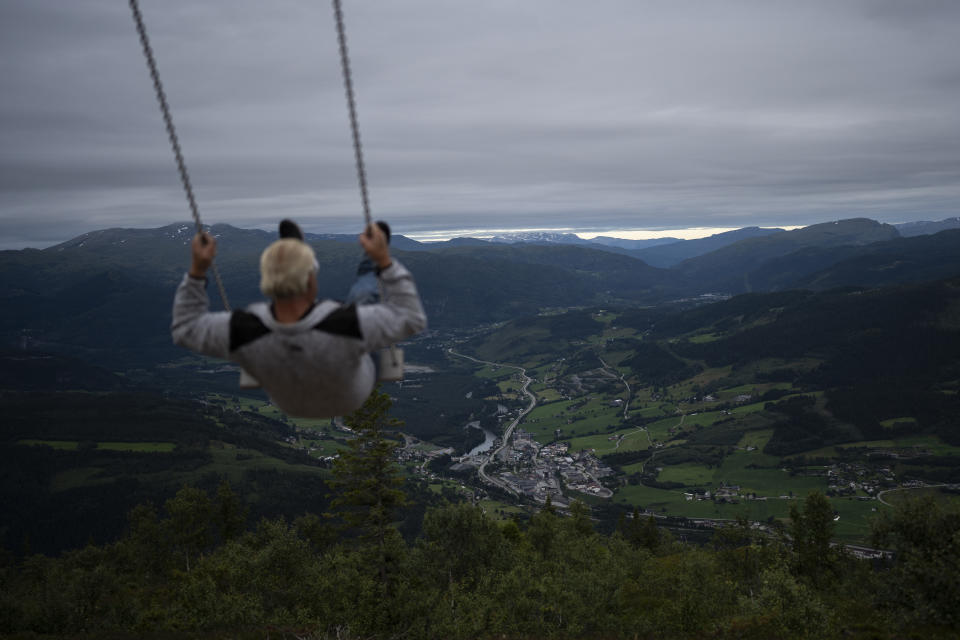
[312, 357]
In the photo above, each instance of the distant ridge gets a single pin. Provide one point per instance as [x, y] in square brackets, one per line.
[181, 233]
[539, 237]
[910, 229]
[657, 252]
[731, 269]
[668, 255]
[919, 258]
[105, 295]
[633, 245]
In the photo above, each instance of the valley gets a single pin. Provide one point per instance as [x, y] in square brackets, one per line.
[667, 389]
[677, 437]
[681, 432]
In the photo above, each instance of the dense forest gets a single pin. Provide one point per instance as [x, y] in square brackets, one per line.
[199, 567]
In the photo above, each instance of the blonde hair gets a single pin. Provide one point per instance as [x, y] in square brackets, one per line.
[285, 268]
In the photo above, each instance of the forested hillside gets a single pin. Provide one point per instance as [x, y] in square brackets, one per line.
[191, 569]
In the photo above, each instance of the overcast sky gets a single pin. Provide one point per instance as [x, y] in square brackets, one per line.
[594, 116]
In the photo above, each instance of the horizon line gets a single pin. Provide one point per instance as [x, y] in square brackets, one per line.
[688, 233]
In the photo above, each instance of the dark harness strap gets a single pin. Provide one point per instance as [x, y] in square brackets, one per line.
[342, 322]
[245, 327]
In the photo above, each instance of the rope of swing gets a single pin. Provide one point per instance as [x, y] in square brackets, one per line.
[172, 134]
[352, 108]
[395, 353]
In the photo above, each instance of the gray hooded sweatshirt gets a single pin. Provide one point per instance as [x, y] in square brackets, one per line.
[316, 367]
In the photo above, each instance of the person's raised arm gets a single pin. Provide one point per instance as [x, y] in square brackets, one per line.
[193, 325]
[400, 313]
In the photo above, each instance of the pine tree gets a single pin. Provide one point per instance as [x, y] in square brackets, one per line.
[189, 524]
[812, 530]
[231, 513]
[580, 518]
[925, 577]
[648, 535]
[640, 532]
[368, 481]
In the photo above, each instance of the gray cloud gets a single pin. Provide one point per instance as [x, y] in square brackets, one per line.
[536, 114]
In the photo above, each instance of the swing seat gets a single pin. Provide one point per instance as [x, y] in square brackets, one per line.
[389, 369]
[247, 381]
[390, 365]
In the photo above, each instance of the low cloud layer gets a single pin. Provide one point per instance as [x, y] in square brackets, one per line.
[499, 114]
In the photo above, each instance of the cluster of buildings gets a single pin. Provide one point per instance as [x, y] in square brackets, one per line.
[417, 454]
[539, 472]
[849, 479]
[723, 493]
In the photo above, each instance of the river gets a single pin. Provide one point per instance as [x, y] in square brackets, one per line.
[488, 439]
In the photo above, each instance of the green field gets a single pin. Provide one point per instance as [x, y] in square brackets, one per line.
[711, 375]
[852, 526]
[898, 421]
[70, 445]
[749, 388]
[544, 393]
[438, 485]
[494, 372]
[268, 410]
[855, 517]
[510, 387]
[930, 443]
[737, 469]
[64, 445]
[614, 358]
[690, 474]
[634, 440]
[747, 408]
[325, 447]
[594, 415]
[649, 411]
[704, 337]
[149, 447]
[703, 419]
[898, 496]
[227, 460]
[499, 510]
[660, 430]
[232, 461]
[758, 439]
[78, 477]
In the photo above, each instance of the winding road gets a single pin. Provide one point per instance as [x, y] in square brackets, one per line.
[654, 453]
[623, 379]
[509, 430]
[926, 486]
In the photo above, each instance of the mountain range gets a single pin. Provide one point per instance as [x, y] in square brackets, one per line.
[110, 291]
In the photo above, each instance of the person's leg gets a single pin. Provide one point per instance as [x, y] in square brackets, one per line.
[365, 289]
